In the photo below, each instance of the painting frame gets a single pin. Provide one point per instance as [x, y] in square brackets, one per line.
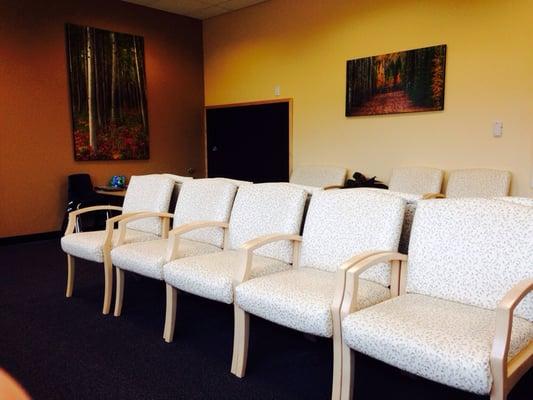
[406, 81]
[107, 94]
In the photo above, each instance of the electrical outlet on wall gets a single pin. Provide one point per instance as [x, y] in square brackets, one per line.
[277, 90]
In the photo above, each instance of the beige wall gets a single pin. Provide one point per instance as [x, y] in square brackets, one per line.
[303, 46]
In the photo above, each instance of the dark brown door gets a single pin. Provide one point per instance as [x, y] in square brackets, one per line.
[249, 142]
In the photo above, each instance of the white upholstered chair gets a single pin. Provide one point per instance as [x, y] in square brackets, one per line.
[318, 175]
[178, 181]
[464, 316]
[478, 182]
[178, 178]
[416, 180]
[258, 210]
[236, 182]
[410, 209]
[145, 193]
[200, 200]
[340, 224]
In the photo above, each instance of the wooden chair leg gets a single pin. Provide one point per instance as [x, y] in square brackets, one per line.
[240, 341]
[108, 283]
[497, 395]
[347, 378]
[337, 367]
[170, 315]
[71, 269]
[119, 292]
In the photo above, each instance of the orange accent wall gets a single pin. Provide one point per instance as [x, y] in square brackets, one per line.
[36, 148]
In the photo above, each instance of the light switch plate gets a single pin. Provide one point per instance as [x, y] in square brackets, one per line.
[497, 128]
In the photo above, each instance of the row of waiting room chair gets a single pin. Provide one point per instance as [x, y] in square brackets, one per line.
[474, 182]
[438, 312]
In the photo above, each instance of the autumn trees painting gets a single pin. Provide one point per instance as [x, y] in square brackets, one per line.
[407, 81]
[107, 93]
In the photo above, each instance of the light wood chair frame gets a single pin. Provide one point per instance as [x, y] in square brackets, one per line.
[241, 317]
[505, 372]
[107, 245]
[173, 253]
[122, 229]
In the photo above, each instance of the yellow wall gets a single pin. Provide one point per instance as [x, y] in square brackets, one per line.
[303, 46]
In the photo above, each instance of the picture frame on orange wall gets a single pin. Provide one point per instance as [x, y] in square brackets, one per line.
[107, 83]
[402, 82]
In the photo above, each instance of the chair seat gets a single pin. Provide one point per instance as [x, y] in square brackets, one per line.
[89, 245]
[437, 339]
[301, 299]
[148, 258]
[211, 275]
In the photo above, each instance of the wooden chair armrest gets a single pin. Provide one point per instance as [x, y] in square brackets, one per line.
[73, 215]
[349, 302]
[174, 235]
[340, 277]
[122, 225]
[246, 251]
[428, 196]
[110, 226]
[501, 367]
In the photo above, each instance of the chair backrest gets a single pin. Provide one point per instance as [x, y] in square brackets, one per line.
[318, 176]
[471, 251]
[79, 185]
[205, 200]
[525, 201]
[417, 180]
[148, 193]
[263, 209]
[178, 181]
[236, 182]
[344, 223]
[478, 182]
[410, 209]
[178, 178]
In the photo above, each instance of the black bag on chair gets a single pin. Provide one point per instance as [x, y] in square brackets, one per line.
[359, 180]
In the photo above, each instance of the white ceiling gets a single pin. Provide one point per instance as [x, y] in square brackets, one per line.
[200, 9]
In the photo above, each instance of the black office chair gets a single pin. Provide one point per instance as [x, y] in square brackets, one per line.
[80, 194]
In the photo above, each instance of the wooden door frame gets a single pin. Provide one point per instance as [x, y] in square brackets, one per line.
[244, 104]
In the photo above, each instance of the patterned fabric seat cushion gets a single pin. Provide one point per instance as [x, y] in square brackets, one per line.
[211, 275]
[148, 258]
[301, 298]
[89, 245]
[437, 339]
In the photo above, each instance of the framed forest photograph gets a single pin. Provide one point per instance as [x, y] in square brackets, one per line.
[107, 94]
[402, 82]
